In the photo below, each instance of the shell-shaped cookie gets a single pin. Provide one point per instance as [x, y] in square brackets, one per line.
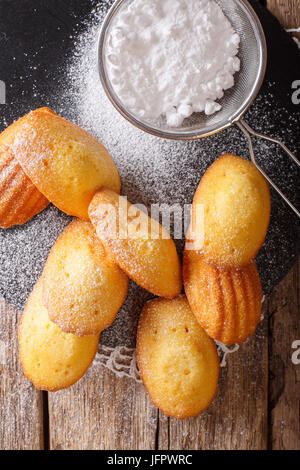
[226, 302]
[51, 359]
[20, 200]
[139, 245]
[178, 362]
[83, 288]
[64, 162]
[231, 212]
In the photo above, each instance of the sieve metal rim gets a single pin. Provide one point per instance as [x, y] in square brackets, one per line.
[236, 118]
[195, 133]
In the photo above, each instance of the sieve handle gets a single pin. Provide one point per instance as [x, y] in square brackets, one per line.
[248, 132]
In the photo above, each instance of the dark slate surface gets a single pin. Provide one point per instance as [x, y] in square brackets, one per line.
[35, 41]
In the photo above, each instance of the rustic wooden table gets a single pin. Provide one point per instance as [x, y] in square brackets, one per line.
[257, 406]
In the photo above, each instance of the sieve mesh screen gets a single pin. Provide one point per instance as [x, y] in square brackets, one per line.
[236, 100]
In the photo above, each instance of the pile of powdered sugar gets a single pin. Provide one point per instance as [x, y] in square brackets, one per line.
[160, 171]
[171, 58]
[153, 171]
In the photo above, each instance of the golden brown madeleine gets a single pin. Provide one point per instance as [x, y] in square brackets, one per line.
[51, 359]
[236, 202]
[178, 362]
[140, 245]
[65, 163]
[83, 288]
[20, 200]
[226, 302]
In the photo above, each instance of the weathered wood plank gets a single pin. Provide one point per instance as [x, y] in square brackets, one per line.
[284, 378]
[288, 13]
[21, 411]
[102, 411]
[284, 328]
[238, 417]
[236, 420]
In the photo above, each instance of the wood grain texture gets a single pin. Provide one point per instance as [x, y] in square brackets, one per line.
[238, 416]
[102, 412]
[21, 410]
[288, 13]
[255, 408]
[107, 413]
[284, 375]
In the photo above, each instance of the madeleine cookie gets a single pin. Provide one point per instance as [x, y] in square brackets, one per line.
[20, 200]
[178, 362]
[63, 161]
[83, 288]
[236, 202]
[226, 302]
[140, 245]
[51, 359]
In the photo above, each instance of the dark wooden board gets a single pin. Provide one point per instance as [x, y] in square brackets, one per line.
[21, 406]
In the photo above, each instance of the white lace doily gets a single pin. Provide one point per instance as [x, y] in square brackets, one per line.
[122, 360]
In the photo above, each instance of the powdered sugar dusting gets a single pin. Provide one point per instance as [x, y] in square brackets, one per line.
[171, 58]
[152, 171]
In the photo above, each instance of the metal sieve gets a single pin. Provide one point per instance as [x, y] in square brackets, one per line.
[236, 101]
